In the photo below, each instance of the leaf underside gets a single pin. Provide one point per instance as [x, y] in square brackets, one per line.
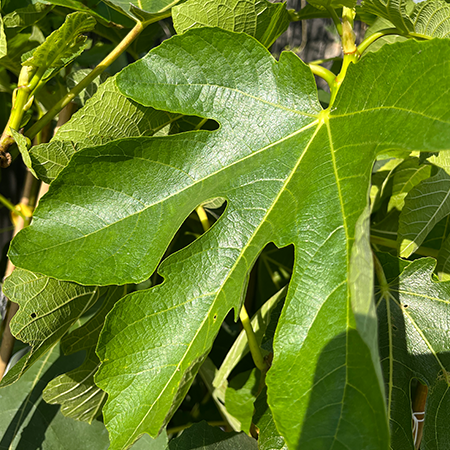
[291, 174]
[413, 319]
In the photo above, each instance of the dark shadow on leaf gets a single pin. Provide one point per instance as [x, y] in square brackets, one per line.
[33, 435]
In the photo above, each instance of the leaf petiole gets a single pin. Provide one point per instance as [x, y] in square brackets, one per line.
[336, 20]
[324, 73]
[252, 342]
[375, 36]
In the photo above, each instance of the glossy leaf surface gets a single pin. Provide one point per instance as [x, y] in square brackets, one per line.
[414, 316]
[291, 174]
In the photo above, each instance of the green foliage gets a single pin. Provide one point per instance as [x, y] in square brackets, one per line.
[203, 437]
[3, 42]
[413, 312]
[64, 44]
[205, 177]
[259, 18]
[109, 115]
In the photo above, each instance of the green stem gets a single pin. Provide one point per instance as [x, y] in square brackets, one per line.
[375, 36]
[203, 217]
[422, 251]
[52, 112]
[324, 73]
[252, 342]
[336, 20]
[348, 59]
[12, 208]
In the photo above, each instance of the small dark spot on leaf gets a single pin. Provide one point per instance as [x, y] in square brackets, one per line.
[394, 328]
[33, 315]
[215, 317]
[405, 306]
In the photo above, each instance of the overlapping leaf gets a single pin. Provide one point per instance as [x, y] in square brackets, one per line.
[102, 13]
[202, 436]
[22, 17]
[425, 206]
[396, 11]
[47, 309]
[332, 3]
[3, 43]
[291, 174]
[240, 395]
[63, 44]
[429, 18]
[259, 18]
[269, 437]
[76, 391]
[27, 422]
[414, 316]
[107, 116]
[143, 10]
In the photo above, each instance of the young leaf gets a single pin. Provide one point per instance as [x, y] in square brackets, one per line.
[27, 15]
[108, 115]
[361, 290]
[76, 391]
[3, 43]
[63, 44]
[425, 206]
[102, 13]
[291, 173]
[404, 178]
[413, 313]
[29, 423]
[259, 18]
[201, 436]
[240, 396]
[48, 308]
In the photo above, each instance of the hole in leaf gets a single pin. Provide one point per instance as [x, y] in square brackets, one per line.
[405, 306]
[33, 315]
[191, 229]
[190, 123]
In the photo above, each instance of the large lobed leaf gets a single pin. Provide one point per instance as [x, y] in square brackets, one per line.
[414, 316]
[291, 173]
